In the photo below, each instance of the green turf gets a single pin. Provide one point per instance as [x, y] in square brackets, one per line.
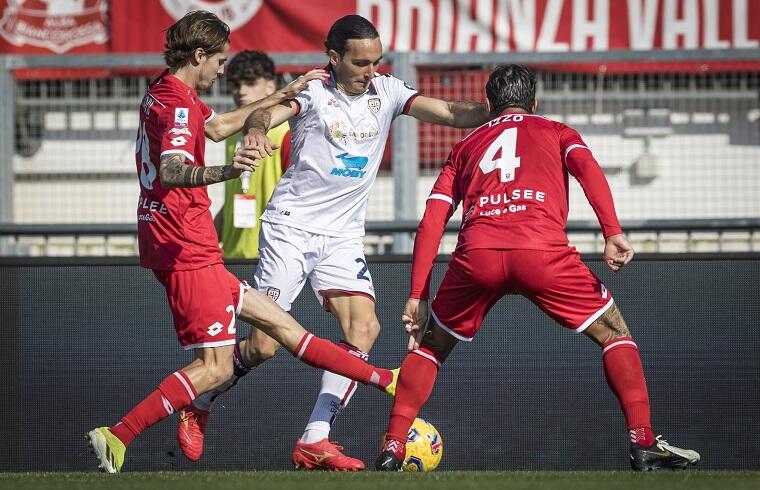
[475, 480]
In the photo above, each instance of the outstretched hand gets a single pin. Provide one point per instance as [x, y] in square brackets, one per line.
[415, 318]
[258, 144]
[299, 84]
[617, 252]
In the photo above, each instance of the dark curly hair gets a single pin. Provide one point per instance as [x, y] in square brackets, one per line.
[248, 66]
[197, 29]
[511, 86]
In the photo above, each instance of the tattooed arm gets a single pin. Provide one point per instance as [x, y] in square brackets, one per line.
[174, 172]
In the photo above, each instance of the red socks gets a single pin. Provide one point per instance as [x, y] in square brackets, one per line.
[323, 354]
[415, 383]
[174, 393]
[625, 376]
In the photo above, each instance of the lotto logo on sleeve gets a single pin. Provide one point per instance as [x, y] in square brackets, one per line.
[179, 141]
[181, 116]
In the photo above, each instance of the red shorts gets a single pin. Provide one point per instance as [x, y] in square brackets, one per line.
[558, 282]
[204, 303]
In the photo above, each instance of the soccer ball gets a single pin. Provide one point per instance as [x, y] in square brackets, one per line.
[424, 447]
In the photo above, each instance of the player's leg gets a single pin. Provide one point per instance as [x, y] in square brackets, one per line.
[413, 388]
[343, 285]
[625, 377]
[360, 327]
[281, 273]
[264, 314]
[468, 291]
[573, 296]
[211, 367]
[204, 320]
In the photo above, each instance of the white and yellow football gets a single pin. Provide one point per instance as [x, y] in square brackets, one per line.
[424, 447]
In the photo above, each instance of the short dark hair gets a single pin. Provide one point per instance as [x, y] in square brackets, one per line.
[511, 86]
[349, 27]
[248, 66]
[197, 29]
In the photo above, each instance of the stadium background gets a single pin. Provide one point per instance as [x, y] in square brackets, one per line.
[666, 93]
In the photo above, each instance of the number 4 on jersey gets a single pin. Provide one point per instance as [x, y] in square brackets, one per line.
[505, 146]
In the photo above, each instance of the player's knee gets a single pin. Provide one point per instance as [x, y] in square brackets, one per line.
[261, 351]
[372, 329]
[438, 342]
[364, 330]
[217, 373]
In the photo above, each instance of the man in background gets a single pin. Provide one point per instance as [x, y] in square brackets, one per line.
[251, 77]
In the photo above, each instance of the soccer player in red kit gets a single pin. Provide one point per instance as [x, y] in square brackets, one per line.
[178, 242]
[511, 176]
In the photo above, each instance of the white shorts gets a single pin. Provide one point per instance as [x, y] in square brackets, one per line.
[289, 256]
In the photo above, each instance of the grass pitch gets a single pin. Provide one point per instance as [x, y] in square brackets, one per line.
[475, 480]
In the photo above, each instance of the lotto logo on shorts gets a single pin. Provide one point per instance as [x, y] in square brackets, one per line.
[273, 293]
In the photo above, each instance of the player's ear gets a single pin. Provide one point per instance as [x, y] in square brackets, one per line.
[535, 106]
[488, 105]
[334, 57]
[198, 55]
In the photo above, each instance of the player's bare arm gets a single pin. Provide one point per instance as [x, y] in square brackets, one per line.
[225, 125]
[174, 172]
[462, 114]
[617, 252]
[260, 121]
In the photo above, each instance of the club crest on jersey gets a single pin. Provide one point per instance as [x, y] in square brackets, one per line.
[273, 293]
[181, 116]
[353, 166]
[374, 105]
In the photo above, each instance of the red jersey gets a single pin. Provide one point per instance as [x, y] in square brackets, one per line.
[511, 176]
[175, 228]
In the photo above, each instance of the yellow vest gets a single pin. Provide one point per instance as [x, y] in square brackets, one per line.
[244, 242]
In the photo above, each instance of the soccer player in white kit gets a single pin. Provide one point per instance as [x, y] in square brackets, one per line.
[313, 226]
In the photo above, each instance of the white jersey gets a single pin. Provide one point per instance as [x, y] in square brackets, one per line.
[337, 142]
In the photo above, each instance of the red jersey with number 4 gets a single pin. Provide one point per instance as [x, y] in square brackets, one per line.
[175, 228]
[511, 176]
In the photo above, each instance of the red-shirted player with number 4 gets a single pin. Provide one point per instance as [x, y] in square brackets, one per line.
[178, 241]
[511, 176]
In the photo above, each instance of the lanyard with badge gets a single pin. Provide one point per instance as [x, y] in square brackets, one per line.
[244, 205]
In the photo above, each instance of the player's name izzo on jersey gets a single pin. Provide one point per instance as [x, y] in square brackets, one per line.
[337, 145]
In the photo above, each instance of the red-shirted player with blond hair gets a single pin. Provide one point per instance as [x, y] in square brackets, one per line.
[511, 176]
[178, 241]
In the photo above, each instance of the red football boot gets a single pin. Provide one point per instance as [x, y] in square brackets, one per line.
[324, 455]
[191, 431]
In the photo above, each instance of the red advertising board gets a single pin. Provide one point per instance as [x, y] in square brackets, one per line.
[437, 26]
